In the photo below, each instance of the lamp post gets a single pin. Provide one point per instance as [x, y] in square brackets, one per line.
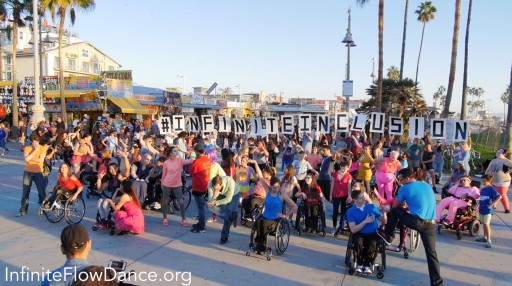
[349, 43]
[240, 97]
[37, 108]
[182, 84]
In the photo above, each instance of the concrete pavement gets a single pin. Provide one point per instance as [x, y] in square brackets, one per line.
[32, 242]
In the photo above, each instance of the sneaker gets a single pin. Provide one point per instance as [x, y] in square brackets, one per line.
[481, 239]
[165, 222]
[359, 269]
[488, 244]
[387, 240]
[211, 219]
[184, 223]
[198, 230]
[223, 240]
[367, 270]
[20, 214]
[507, 211]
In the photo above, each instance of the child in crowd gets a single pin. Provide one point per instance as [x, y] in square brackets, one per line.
[341, 184]
[489, 197]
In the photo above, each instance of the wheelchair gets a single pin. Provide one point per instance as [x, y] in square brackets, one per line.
[249, 218]
[108, 223]
[63, 207]
[300, 223]
[407, 234]
[351, 263]
[281, 235]
[465, 219]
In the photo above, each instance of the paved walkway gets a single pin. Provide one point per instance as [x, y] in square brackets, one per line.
[33, 242]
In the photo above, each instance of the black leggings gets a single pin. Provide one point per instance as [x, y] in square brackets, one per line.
[250, 203]
[263, 227]
[335, 206]
[365, 248]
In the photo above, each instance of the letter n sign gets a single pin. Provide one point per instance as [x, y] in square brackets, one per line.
[461, 131]
[377, 122]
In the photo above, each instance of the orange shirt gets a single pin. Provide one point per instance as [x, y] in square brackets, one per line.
[33, 166]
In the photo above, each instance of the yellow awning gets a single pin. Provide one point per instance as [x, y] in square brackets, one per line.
[129, 105]
[67, 93]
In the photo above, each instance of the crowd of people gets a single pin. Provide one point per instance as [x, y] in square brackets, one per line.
[317, 169]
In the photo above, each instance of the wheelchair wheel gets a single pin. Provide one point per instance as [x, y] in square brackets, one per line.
[187, 197]
[348, 254]
[56, 211]
[74, 210]
[414, 240]
[382, 251]
[282, 236]
[474, 227]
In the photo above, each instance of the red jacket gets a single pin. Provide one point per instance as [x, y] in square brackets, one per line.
[200, 172]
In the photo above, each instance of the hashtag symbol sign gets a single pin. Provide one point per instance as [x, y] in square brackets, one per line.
[164, 125]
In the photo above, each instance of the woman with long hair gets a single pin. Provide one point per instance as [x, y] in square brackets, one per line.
[227, 163]
[131, 218]
[289, 183]
[259, 192]
[312, 195]
[66, 182]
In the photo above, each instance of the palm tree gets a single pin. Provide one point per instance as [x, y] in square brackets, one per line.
[393, 73]
[378, 102]
[403, 40]
[504, 99]
[426, 12]
[225, 92]
[465, 76]
[453, 64]
[17, 9]
[61, 8]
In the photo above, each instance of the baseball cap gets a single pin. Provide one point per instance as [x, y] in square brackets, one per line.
[74, 237]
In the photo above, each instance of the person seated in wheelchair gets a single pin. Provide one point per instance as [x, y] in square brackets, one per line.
[273, 205]
[67, 183]
[259, 192]
[461, 196]
[361, 220]
[311, 197]
[454, 178]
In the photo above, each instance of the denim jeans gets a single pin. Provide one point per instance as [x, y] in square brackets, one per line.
[39, 180]
[427, 233]
[438, 169]
[200, 203]
[226, 214]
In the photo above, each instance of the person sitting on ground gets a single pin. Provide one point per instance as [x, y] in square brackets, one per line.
[131, 218]
[462, 194]
[76, 245]
[361, 220]
[273, 205]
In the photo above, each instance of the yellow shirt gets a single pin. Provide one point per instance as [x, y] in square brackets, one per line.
[33, 166]
[365, 172]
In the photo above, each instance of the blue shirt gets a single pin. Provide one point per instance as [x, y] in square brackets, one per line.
[420, 199]
[325, 169]
[273, 206]
[487, 196]
[356, 215]
[72, 266]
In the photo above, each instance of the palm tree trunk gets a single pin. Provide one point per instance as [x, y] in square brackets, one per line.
[61, 68]
[463, 111]
[453, 64]
[403, 40]
[15, 109]
[381, 56]
[419, 54]
[509, 118]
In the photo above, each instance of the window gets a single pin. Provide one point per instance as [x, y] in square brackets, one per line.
[96, 68]
[9, 59]
[9, 75]
[72, 64]
[21, 35]
[56, 62]
[85, 66]
[110, 68]
[85, 53]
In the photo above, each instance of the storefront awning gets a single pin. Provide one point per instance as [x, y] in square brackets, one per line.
[128, 105]
[67, 93]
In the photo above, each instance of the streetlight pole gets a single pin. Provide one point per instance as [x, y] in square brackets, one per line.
[240, 97]
[37, 108]
[349, 41]
[182, 84]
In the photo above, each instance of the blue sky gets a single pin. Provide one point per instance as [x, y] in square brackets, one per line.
[295, 47]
